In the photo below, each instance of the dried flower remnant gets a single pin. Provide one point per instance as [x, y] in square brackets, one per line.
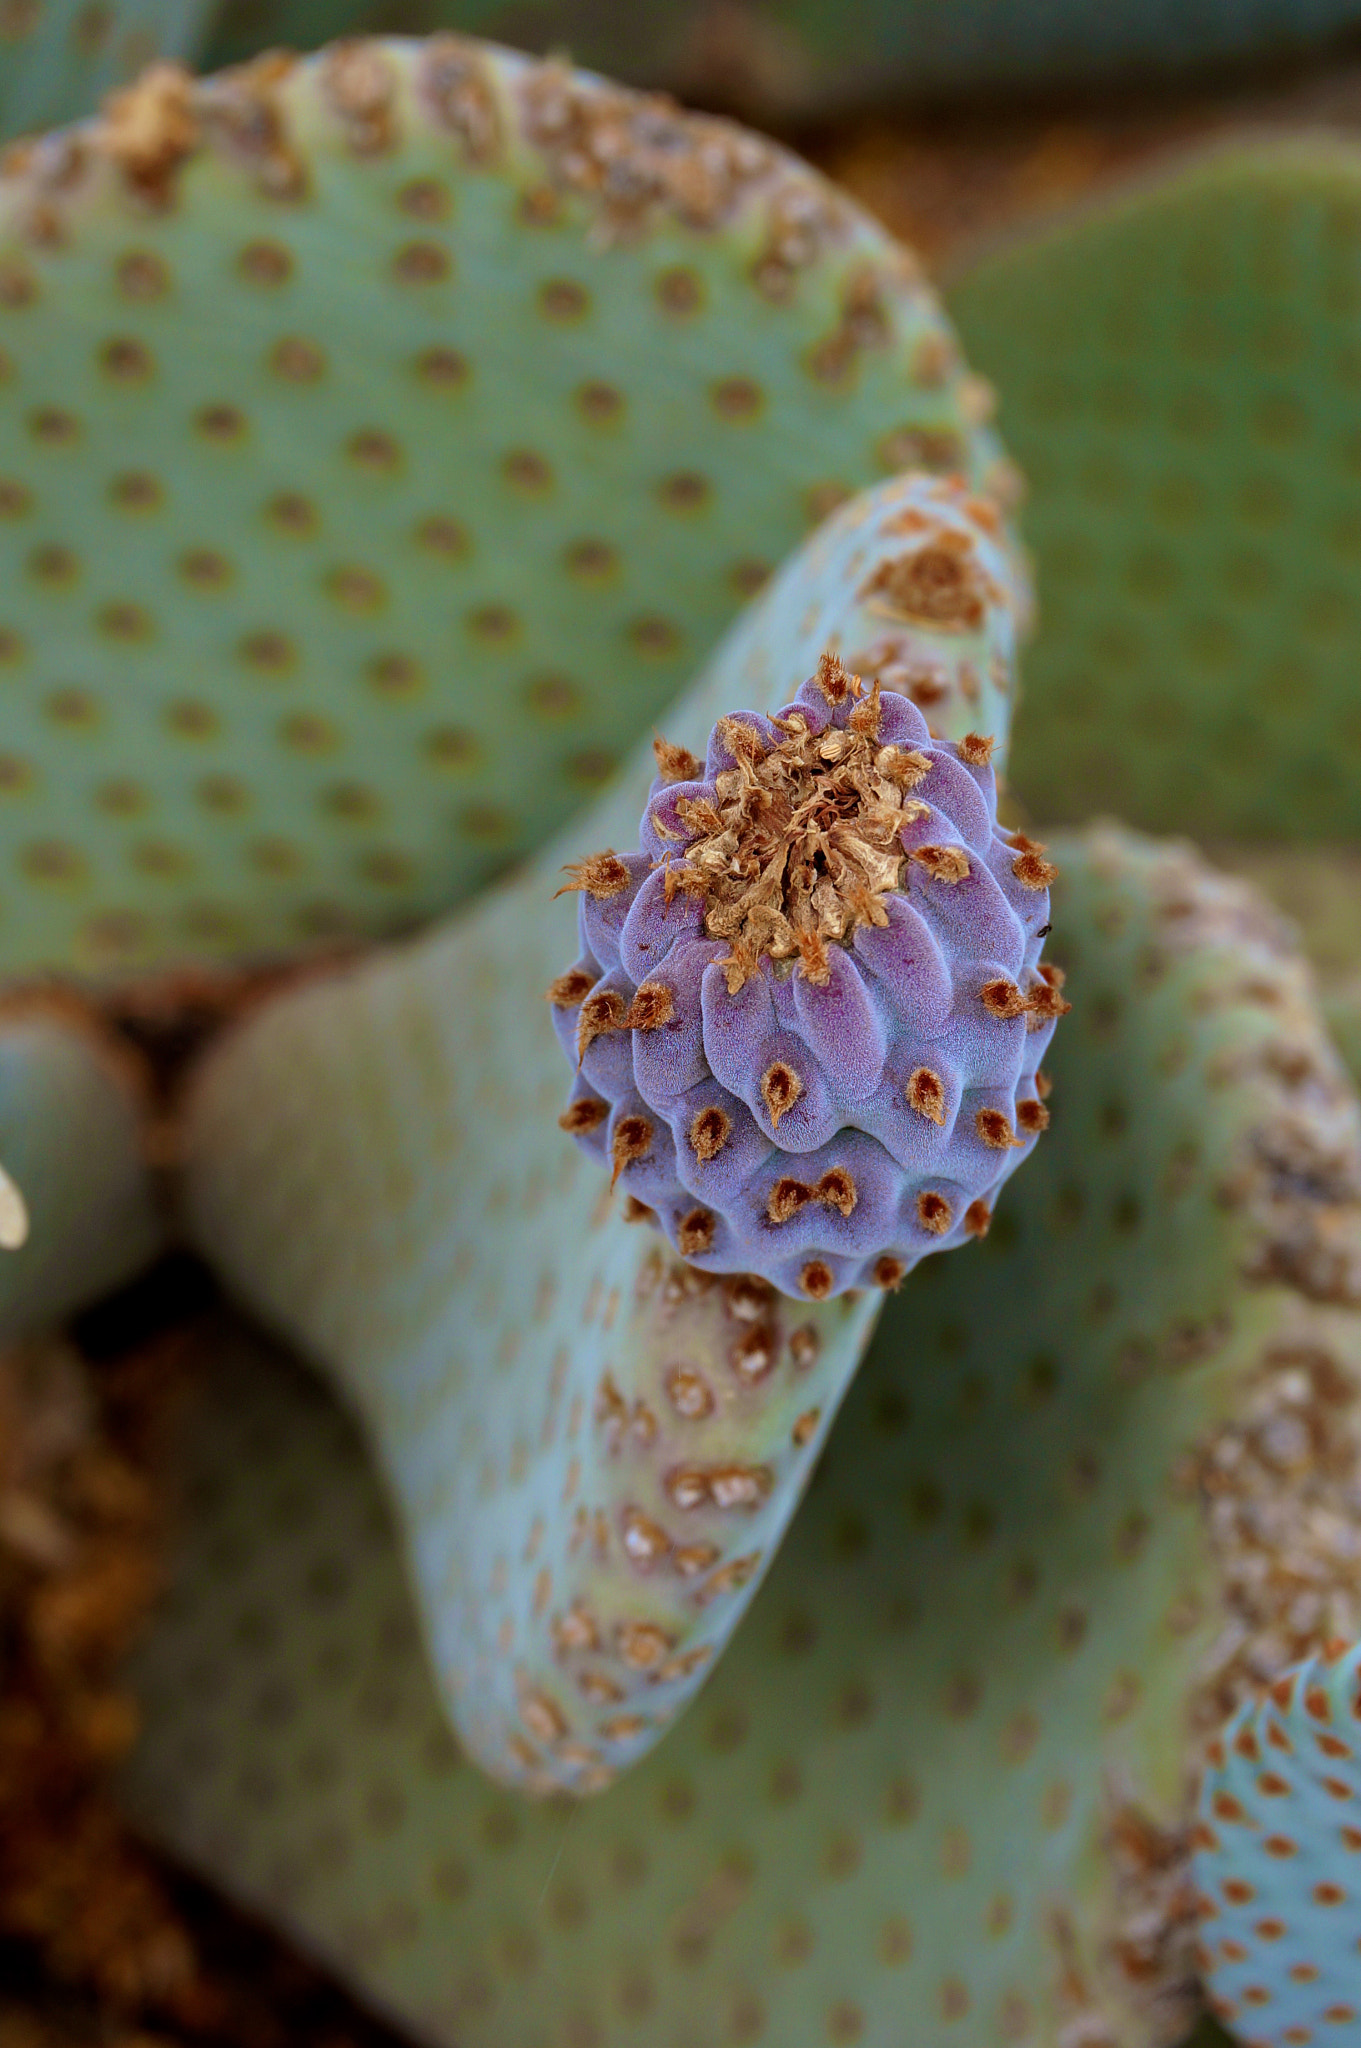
[780, 978]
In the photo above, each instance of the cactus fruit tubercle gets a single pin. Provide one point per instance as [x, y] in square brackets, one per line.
[808, 1014]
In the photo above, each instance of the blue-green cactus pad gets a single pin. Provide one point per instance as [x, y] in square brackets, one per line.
[1279, 1860]
[935, 1789]
[1181, 370]
[383, 440]
[595, 1451]
[71, 1141]
[58, 58]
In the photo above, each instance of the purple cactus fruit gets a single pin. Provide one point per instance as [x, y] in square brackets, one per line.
[808, 1015]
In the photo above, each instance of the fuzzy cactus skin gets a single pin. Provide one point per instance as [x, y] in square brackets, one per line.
[802, 58]
[72, 1144]
[828, 1126]
[1179, 366]
[938, 1786]
[374, 467]
[594, 1463]
[1277, 1859]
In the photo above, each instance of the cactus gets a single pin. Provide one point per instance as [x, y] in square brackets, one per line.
[311, 593]
[796, 58]
[1179, 368]
[936, 1789]
[1276, 1855]
[77, 1211]
[333, 580]
[576, 1582]
[58, 59]
[596, 368]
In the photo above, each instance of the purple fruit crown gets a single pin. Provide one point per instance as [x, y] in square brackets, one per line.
[808, 1014]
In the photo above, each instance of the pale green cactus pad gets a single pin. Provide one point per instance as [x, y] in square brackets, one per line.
[1278, 1859]
[1181, 371]
[77, 1211]
[58, 58]
[935, 1789]
[376, 1165]
[1320, 888]
[784, 57]
[383, 439]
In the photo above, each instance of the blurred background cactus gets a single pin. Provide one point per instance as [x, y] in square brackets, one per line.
[385, 442]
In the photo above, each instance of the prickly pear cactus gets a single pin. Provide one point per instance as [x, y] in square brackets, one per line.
[595, 1455]
[383, 439]
[60, 58]
[802, 57]
[936, 1789]
[1180, 370]
[1277, 1849]
[77, 1211]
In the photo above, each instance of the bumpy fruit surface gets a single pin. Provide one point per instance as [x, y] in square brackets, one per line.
[808, 1014]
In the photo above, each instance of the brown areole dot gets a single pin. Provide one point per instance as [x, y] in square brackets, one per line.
[586, 1114]
[599, 1013]
[689, 1393]
[710, 1130]
[934, 1212]
[837, 1190]
[642, 1644]
[943, 863]
[977, 749]
[780, 1090]
[675, 764]
[633, 1137]
[753, 1356]
[1002, 999]
[977, 1218]
[994, 1128]
[925, 1092]
[601, 875]
[888, 1271]
[1030, 870]
[940, 585]
[817, 1279]
[570, 989]
[653, 1005]
[695, 1233]
[1044, 1087]
[1032, 1116]
[786, 1198]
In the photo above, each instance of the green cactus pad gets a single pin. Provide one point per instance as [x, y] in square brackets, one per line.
[71, 1144]
[383, 439]
[1320, 888]
[1181, 371]
[595, 1451]
[801, 57]
[58, 58]
[1278, 1859]
[935, 1790]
